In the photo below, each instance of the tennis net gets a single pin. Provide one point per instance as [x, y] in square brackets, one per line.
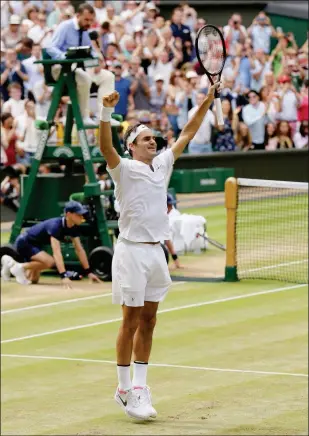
[271, 230]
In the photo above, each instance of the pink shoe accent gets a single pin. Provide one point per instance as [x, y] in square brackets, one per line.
[120, 391]
[138, 387]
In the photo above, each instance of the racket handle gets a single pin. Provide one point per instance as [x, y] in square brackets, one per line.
[219, 112]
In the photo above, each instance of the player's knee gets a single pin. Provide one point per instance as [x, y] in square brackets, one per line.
[129, 326]
[49, 263]
[148, 322]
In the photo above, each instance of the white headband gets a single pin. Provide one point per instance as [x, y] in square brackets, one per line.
[133, 135]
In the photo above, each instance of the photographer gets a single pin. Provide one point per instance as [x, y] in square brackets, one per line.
[261, 31]
[234, 33]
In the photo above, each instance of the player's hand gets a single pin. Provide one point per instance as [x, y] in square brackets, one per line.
[177, 264]
[66, 283]
[94, 278]
[111, 100]
[216, 87]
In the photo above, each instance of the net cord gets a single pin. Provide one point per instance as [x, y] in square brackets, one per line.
[272, 184]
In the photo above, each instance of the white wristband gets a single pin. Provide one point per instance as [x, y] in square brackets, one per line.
[106, 113]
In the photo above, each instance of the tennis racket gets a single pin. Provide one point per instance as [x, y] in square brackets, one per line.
[211, 54]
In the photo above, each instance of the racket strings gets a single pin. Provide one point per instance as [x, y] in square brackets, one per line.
[211, 50]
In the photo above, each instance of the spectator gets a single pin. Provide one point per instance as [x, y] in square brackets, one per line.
[303, 109]
[201, 143]
[40, 33]
[259, 66]
[42, 95]
[224, 136]
[32, 13]
[171, 108]
[243, 77]
[106, 35]
[149, 15]
[271, 140]
[32, 69]
[284, 135]
[243, 137]
[12, 34]
[254, 117]
[163, 67]
[139, 85]
[55, 16]
[14, 105]
[8, 139]
[301, 138]
[100, 11]
[234, 33]
[10, 190]
[157, 95]
[133, 15]
[261, 31]
[123, 86]
[27, 133]
[288, 101]
[12, 71]
[185, 100]
[180, 30]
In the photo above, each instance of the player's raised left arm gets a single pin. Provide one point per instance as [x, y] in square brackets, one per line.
[192, 126]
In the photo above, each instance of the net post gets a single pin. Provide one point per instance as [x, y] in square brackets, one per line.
[231, 189]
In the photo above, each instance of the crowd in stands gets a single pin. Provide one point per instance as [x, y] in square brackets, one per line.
[264, 100]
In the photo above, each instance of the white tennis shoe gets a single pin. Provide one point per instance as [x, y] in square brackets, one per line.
[18, 272]
[7, 262]
[136, 402]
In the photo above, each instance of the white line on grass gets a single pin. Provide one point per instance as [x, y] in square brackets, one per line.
[173, 309]
[57, 303]
[158, 365]
[295, 262]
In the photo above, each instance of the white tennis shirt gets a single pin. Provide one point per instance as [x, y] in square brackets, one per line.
[141, 195]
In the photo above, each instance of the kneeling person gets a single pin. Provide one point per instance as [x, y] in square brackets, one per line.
[52, 231]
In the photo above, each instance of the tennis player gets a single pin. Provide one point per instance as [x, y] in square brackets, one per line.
[140, 274]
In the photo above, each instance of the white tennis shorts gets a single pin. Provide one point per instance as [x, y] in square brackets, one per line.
[140, 273]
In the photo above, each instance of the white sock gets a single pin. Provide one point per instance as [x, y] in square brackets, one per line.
[140, 374]
[124, 377]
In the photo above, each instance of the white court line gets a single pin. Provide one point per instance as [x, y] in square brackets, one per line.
[57, 303]
[274, 266]
[158, 365]
[173, 309]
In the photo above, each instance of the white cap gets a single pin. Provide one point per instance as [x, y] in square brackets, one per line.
[151, 5]
[14, 19]
[191, 74]
[158, 77]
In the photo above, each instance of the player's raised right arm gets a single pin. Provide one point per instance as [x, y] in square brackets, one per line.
[105, 138]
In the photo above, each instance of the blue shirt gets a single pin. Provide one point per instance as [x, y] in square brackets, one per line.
[65, 36]
[123, 87]
[181, 31]
[12, 77]
[244, 75]
[40, 233]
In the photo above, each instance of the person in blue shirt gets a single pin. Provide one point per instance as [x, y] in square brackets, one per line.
[180, 30]
[74, 33]
[53, 231]
[123, 87]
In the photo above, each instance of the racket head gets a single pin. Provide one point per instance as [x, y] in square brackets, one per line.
[210, 51]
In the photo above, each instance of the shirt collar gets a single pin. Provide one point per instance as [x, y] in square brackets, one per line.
[75, 23]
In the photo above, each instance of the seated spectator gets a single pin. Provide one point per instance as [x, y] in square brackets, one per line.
[243, 137]
[14, 105]
[32, 12]
[12, 71]
[284, 135]
[300, 138]
[254, 116]
[224, 136]
[32, 69]
[271, 140]
[157, 95]
[12, 34]
[201, 143]
[8, 139]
